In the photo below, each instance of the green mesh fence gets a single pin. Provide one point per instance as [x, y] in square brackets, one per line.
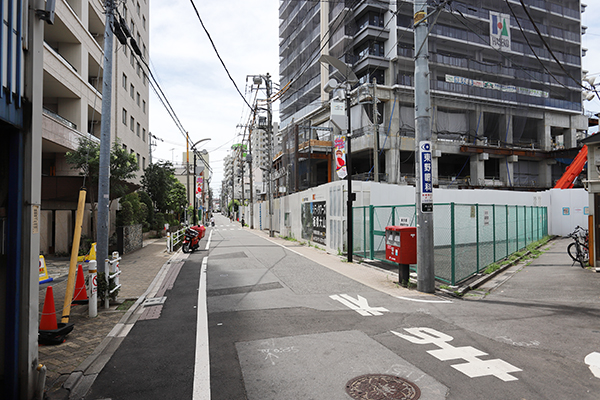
[467, 237]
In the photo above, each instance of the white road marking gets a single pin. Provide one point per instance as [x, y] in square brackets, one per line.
[360, 305]
[208, 241]
[423, 300]
[593, 361]
[473, 368]
[202, 365]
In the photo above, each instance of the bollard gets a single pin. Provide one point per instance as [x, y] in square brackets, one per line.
[93, 289]
[403, 274]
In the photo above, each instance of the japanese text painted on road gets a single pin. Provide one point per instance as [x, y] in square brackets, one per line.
[426, 176]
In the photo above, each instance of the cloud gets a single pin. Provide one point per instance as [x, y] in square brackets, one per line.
[245, 33]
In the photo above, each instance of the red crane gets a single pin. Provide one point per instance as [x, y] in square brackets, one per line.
[573, 170]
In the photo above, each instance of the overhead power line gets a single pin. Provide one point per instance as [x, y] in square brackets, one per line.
[218, 55]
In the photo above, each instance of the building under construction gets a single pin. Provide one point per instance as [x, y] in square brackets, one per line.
[506, 94]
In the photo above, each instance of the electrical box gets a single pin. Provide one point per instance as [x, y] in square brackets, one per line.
[401, 244]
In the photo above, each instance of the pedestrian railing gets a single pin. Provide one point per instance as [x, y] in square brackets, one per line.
[174, 238]
[467, 237]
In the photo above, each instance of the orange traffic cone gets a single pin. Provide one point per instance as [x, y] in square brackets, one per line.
[80, 294]
[52, 332]
[48, 320]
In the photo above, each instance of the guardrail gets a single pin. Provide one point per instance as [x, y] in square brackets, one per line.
[174, 238]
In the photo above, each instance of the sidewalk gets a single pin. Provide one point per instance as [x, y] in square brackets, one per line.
[138, 270]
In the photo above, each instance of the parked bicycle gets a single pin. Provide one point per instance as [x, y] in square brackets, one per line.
[579, 249]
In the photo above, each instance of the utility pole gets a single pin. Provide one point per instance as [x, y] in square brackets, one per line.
[423, 149]
[349, 216]
[195, 216]
[249, 159]
[104, 167]
[375, 132]
[242, 172]
[187, 174]
[270, 137]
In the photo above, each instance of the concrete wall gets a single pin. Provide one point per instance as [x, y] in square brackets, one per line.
[566, 208]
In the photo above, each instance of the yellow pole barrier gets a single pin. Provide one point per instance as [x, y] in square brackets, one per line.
[74, 254]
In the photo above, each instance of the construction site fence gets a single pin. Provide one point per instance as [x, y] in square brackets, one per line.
[467, 237]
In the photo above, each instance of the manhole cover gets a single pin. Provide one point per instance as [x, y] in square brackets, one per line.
[382, 387]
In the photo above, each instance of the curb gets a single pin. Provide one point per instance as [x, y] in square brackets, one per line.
[81, 379]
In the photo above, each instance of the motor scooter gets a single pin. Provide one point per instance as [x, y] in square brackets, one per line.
[191, 239]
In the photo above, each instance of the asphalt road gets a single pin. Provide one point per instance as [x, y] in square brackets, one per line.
[284, 327]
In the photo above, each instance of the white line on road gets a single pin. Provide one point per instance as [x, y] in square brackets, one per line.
[208, 242]
[202, 365]
[423, 300]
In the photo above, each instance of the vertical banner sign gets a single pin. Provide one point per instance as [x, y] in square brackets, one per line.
[199, 182]
[340, 156]
[500, 31]
[426, 177]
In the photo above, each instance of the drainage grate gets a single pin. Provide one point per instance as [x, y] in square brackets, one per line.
[382, 387]
[154, 301]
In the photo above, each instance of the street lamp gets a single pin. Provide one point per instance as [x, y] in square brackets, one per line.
[351, 78]
[257, 79]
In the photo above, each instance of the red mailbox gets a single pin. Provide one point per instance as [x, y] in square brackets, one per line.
[401, 244]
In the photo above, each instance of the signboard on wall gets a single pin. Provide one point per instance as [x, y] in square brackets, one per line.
[314, 221]
[500, 31]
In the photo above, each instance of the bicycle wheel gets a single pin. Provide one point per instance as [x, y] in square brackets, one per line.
[572, 250]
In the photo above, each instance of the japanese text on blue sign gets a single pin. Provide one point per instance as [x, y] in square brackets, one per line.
[426, 177]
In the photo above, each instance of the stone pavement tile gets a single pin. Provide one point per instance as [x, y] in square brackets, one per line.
[139, 268]
[62, 359]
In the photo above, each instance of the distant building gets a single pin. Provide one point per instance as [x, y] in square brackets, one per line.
[499, 117]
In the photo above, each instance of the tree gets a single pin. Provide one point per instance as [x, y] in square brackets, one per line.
[157, 182]
[177, 197]
[87, 160]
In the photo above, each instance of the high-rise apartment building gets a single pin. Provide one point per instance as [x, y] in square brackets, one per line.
[506, 101]
[72, 103]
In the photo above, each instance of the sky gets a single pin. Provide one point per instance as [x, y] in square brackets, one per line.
[183, 61]
[591, 41]
[245, 33]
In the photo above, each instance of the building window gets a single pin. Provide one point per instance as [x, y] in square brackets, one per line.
[137, 129]
[143, 162]
[125, 147]
[144, 134]
[144, 106]
[125, 12]
[125, 50]
[124, 81]
[138, 8]
[132, 59]
[138, 159]
[125, 117]
[131, 91]
[144, 53]
[131, 123]
[139, 69]
[137, 97]
[144, 22]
